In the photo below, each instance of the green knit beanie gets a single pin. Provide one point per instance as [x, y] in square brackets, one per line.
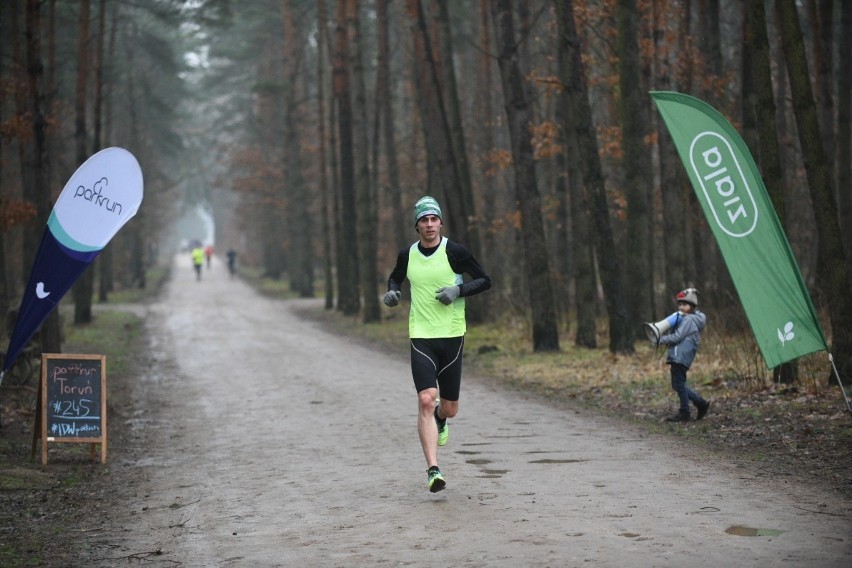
[426, 206]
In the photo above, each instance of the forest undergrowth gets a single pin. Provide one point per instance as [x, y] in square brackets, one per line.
[45, 509]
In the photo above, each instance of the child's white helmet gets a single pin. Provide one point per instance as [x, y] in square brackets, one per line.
[689, 295]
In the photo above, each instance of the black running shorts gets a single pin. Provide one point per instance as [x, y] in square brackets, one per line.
[438, 363]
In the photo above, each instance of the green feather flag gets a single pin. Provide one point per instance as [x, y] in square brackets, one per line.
[743, 220]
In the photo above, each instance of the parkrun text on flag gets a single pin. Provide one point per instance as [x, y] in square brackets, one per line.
[743, 220]
[101, 196]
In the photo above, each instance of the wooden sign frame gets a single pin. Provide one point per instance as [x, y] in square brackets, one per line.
[43, 407]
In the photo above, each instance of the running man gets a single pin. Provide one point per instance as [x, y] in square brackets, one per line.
[232, 262]
[436, 324]
[197, 260]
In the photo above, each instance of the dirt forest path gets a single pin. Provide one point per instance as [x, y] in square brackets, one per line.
[258, 439]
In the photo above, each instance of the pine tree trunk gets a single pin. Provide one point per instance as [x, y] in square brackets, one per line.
[301, 266]
[84, 287]
[832, 274]
[347, 265]
[103, 264]
[822, 26]
[668, 47]
[135, 229]
[483, 135]
[637, 169]
[582, 249]
[39, 167]
[589, 165]
[759, 111]
[325, 193]
[843, 156]
[365, 203]
[4, 286]
[519, 117]
[709, 267]
[401, 229]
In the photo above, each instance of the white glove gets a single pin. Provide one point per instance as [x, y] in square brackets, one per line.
[391, 299]
[447, 295]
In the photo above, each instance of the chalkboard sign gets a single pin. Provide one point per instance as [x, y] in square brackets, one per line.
[73, 401]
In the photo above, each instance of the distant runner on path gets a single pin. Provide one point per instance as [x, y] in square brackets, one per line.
[232, 262]
[197, 261]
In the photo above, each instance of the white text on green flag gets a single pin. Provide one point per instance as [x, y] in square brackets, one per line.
[743, 220]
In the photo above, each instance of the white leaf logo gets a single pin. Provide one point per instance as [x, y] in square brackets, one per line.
[40, 291]
[787, 334]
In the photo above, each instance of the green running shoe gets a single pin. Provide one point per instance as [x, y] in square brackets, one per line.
[436, 480]
[443, 433]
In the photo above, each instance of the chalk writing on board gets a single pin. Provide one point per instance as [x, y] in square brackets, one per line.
[74, 398]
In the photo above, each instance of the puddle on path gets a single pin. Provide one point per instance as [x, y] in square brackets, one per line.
[506, 436]
[495, 472]
[557, 461]
[738, 530]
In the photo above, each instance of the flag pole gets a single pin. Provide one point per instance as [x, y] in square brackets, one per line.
[839, 382]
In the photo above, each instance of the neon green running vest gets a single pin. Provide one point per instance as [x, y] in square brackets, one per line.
[428, 317]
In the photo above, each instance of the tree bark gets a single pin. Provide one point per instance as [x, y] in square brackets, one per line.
[26, 151]
[347, 265]
[563, 268]
[832, 274]
[365, 202]
[39, 167]
[325, 192]
[84, 287]
[843, 156]
[519, 117]
[490, 201]
[135, 230]
[104, 261]
[637, 169]
[588, 160]
[709, 265]
[301, 265]
[668, 50]
[822, 25]
[759, 111]
[394, 192]
[582, 249]
[4, 271]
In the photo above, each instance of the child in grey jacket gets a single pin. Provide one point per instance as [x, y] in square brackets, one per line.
[683, 342]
